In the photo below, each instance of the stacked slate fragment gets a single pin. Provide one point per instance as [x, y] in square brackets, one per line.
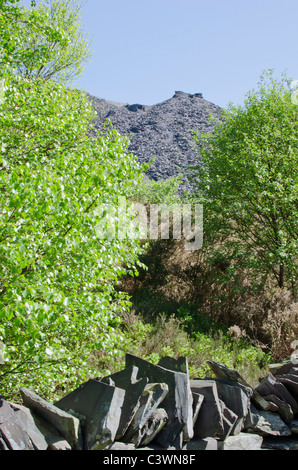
[148, 406]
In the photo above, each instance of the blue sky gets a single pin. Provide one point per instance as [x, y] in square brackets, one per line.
[145, 50]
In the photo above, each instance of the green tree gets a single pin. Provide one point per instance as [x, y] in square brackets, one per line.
[246, 178]
[58, 301]
[45, 41]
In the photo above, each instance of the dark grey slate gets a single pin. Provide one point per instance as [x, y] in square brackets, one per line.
[209, 422]
[290, 381]
[181, 365]
[161, 130]
[281, 368]
[271, 386]
[98, 406]
[237, 398]
[178, 365]
[153, 426]
[176, 403]
[243, 441]
[222, 371]
[67, 425]
[44, 436]
[282, 408]
[230, 420]
[12, 434]
[153, 395]
[120, 446]
[209, 443]
[280, 443]
[267, 423]
[293, 425]
[196, 406]
[25, 417]
[126, 379]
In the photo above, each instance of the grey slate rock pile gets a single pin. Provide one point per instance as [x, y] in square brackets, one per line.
[161, 131]
[157, 407]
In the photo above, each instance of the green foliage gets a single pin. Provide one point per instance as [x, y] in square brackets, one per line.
[247, 181]
[58, 301]
[158, 192]
[45, 41]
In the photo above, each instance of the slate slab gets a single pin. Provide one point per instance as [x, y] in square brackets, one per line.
[293, 425]
[243, 441]
[237, 398]
[272, 386]
[25, 417]
[181, 365]
[67, 425]
[44, 436]
[281, 368]
[209, 443]
[290, 381]
[282, 408]
[280, 443]
[210, 419]
[126, 380]
[196, 405]
[269, 424]
[177, 401]
[98, 406]
[151, 398]
[230, 420]
[222, 371]
[12, 435]
[153, 426]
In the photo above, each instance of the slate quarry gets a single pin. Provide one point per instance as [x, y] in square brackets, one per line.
[157, 407]
[161, 131]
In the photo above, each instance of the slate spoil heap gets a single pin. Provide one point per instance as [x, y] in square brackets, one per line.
[157, 407]
[161, 131]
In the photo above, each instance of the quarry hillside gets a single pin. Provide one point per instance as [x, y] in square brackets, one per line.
[161, 131]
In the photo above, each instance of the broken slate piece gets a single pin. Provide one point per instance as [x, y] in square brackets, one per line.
[209, 443]
[229, 418]
[243, 441]
[283, 409]
[67, 425]
[293, 425]
[178, 365]
[154, 425]
[98, 406]
[181, 365]
[126, 379]
[12, 435]
[268, 424]
[237, 398]
[44, 436]
[152, 396]
[281, 368]
[196, 405]
[210, 420]
[222, 371]
[176, 403]
[271, 386]
[290, 381]
[25, 417]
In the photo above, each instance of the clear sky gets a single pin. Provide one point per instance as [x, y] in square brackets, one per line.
[145, 50]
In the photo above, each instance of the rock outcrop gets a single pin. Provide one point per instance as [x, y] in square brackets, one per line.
[157, 407]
